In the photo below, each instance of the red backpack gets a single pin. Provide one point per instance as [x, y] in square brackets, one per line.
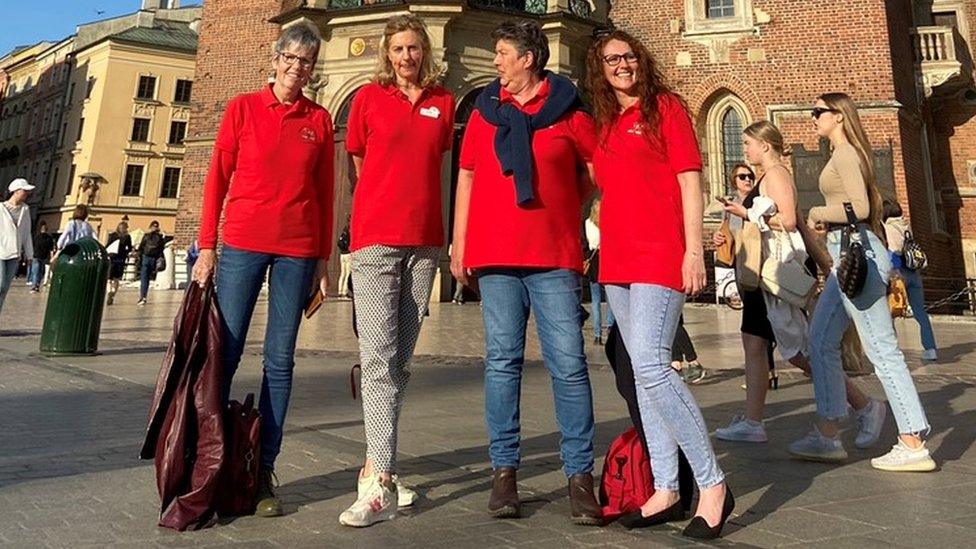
[627, 482]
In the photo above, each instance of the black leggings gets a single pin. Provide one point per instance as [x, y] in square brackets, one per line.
[682, 349]
[624, 372]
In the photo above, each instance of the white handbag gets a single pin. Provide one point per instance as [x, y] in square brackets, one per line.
[788, 280]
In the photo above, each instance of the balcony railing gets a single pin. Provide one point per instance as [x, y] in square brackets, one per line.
[935, 55]
[346, 4]
[580, 8]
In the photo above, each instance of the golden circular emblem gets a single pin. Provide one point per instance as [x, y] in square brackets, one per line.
[357, 47]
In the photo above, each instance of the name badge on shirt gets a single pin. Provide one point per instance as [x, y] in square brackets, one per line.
[430, 112]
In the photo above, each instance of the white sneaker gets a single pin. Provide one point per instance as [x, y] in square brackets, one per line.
[870, 421]
[930, 355]
[378, 503]
[742, 429]
[816, 447]
[406, 496]
[901, 458]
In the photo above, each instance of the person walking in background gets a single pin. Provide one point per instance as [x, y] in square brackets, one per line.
[592, 229]
[43, 248]
[192, 253]
[648, 166]
[850, 189]
[119, 246]
[345, 262]
[774, 210]
[271, 179]
[896, 227]
[151, 249]
[684, 358]
[403, 119]
[15, 234]
[77, 227]
[517, 229]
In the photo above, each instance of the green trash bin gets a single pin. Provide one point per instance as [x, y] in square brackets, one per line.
[74, 305]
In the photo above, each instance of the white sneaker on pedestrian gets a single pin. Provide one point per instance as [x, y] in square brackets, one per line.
[930, 355]
[816, 447]
[742, 429]
[141, 302]
[870, 421]
[406, 496]
[378, 503]
[901, 458]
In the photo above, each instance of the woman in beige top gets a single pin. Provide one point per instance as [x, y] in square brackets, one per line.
[848, 178]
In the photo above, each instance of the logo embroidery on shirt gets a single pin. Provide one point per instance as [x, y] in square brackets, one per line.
[308, 134]
[430, 112]
[636, 130]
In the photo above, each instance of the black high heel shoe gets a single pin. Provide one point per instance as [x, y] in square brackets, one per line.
[638, 520]
[698, 528]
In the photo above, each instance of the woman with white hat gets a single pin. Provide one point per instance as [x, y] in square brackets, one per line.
[15, 233]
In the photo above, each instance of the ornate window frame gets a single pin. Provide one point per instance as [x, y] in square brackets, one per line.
[714, 136]
[718, 33]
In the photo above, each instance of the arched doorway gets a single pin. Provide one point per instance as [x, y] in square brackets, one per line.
[345, 182]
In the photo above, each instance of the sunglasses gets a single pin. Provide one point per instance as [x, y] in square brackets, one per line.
[817, 111]
[614, 59]
[600, 32]
[745, 177]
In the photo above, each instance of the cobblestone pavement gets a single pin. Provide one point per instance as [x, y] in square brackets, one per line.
[72, 428]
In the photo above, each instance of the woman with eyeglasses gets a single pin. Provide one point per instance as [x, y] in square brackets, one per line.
[400, 127]
[848, 184]
[772, 205]
[271, 180]
[648, 165]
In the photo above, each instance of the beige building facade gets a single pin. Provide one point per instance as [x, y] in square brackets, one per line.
[126, 108]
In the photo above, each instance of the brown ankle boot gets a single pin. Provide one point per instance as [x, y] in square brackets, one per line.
[582, 501]
[504, 501]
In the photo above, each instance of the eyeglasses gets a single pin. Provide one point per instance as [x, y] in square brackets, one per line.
[817, 111]
[291, 59]
[745, 177]
[614, 58]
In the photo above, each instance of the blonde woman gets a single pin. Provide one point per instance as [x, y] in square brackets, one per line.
[592, 229]
[775, 211]
[848, 183]
[400, 126]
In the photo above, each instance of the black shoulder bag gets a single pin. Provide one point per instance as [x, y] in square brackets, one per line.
[852, 270]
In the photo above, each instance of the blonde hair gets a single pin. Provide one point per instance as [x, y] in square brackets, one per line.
[430, 71]
[854, 131]
[765, 131]
[595, 211]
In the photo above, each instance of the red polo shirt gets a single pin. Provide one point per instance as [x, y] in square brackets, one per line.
[642, 236]
[273, 164]
[544, 233]
[397, 201]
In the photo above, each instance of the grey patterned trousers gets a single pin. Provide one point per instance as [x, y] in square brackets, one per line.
[392, 290]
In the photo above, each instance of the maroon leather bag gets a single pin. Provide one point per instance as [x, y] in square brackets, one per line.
[239, 481]
[185, 435]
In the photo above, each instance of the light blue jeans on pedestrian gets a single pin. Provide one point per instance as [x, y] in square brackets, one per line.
[240, 275]
[35, 275]
[596, 298]
[916, 298]
[8, 270]
[871, 316]
[647, 316]
[553, 296]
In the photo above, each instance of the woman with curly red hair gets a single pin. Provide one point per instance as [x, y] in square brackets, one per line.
[648, 166]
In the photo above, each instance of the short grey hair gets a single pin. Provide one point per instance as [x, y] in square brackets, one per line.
[305, 35]
[526, 36]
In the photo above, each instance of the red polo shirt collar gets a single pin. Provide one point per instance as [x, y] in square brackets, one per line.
[505, 96]
[269, 99]
[395, 91]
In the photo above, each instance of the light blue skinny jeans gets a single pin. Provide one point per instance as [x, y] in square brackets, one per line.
[648, 315]
[871, 316]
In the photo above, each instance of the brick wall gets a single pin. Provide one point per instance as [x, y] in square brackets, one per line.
[233, 57]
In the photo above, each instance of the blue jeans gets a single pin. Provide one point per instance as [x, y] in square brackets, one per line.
[916, 298]
[872, 318]
[146, 267]
[35, 275]
[8, 270]
[596, 298]
[648, 315]
[240, 275]
[553, 296]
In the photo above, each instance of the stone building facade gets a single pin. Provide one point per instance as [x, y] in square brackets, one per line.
[907, 63]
